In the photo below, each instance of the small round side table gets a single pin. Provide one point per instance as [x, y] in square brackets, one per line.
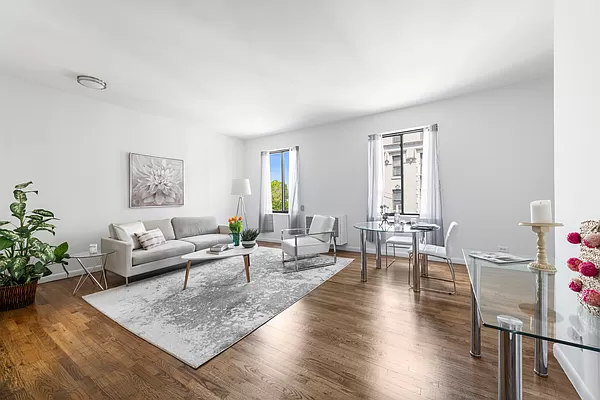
[102, 256]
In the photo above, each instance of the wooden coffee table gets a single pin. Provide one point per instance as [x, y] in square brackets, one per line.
[203, 255]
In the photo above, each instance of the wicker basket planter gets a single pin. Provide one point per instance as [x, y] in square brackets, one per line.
[12, 297]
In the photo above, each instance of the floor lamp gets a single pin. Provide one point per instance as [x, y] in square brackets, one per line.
[241, 188]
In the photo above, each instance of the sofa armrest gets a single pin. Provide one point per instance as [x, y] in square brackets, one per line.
[224, 229]
[119, 262]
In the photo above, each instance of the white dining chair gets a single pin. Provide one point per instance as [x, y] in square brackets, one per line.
[401, 242]
[443, 252]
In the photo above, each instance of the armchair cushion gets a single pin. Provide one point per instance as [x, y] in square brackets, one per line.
[321, 223]
[307, 245]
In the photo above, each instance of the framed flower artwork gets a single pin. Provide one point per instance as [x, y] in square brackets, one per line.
[155, 181]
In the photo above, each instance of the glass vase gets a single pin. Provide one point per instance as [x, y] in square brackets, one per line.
[236, 239]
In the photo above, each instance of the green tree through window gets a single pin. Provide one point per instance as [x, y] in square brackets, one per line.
[279, 180]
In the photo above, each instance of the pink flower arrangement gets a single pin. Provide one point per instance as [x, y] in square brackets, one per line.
[592, 240]
[573, 264]
[574, 238]
[591, 297]
[575, 285]
[587, 268]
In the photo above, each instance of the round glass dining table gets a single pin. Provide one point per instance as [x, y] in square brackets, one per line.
[379, 228]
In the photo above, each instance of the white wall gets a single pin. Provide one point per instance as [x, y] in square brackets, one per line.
[75, 150]
[576, 149]
[495, 152]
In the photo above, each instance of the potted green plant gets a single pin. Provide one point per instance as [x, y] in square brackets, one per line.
[249, 237]
[24, 258]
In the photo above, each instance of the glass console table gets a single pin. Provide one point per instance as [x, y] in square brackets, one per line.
[379, 227]
[516, 301]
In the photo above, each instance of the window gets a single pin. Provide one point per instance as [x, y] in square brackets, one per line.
[403, 155]
[280, 166]
[397, 166]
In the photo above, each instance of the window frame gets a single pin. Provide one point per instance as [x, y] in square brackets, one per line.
[400, 142]
[283, 183]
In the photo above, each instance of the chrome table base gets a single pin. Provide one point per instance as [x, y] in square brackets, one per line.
[541, 325]
[510, 343]
[416, 287]
[510, 385]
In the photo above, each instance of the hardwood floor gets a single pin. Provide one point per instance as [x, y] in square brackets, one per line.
[345, 340]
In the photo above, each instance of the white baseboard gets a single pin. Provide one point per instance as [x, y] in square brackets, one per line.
[269, 240]
[455, 260]
[62, 275]
[572, 374]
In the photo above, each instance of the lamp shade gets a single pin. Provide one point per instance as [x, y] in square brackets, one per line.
[241, 187]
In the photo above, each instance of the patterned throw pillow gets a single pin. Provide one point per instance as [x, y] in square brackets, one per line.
[151, 238]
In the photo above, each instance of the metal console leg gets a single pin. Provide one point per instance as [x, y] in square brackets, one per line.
[475, 327]
[509, 358]
[363, 256]
[541, 325]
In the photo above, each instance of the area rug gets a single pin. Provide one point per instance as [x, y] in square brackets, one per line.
[217, 309]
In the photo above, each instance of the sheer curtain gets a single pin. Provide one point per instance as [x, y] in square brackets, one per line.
[431, 191]
[294, 216]
[375, 180]
[265, 211]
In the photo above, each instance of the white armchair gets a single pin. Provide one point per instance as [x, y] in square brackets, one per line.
[301, 243]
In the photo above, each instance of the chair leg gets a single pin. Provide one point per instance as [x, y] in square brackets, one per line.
[386, 257]
[334, 251]
[410, 256]
[451, 265]
[296, 262]
[393, 256]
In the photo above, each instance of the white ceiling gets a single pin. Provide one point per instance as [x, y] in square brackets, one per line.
[244, 68]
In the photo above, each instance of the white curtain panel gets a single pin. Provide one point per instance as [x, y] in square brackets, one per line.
[375, 180]
[265, 212]
[431, 190]
[294, 217]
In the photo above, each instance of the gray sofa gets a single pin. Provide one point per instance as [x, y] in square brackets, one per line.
[183, 234]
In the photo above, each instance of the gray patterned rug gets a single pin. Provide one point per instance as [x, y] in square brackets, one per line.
[217, 309]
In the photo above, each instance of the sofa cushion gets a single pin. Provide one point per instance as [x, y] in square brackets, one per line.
[193, 226]
[126, 232]
[164, 225]
[150, 239]
[205, 241]
[171, 248]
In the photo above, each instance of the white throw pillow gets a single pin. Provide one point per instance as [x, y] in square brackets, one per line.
[151, 238]
[126, 232]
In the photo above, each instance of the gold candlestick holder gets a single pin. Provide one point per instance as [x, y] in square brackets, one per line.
[541, 262]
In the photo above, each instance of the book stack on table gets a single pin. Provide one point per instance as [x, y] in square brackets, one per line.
[219, 248]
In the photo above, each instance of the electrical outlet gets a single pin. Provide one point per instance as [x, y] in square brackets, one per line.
[503, 249]
[302, 207]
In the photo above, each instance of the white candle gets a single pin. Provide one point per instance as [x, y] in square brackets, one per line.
[541, 211]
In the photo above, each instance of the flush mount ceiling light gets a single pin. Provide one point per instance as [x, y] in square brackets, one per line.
[91, 82]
